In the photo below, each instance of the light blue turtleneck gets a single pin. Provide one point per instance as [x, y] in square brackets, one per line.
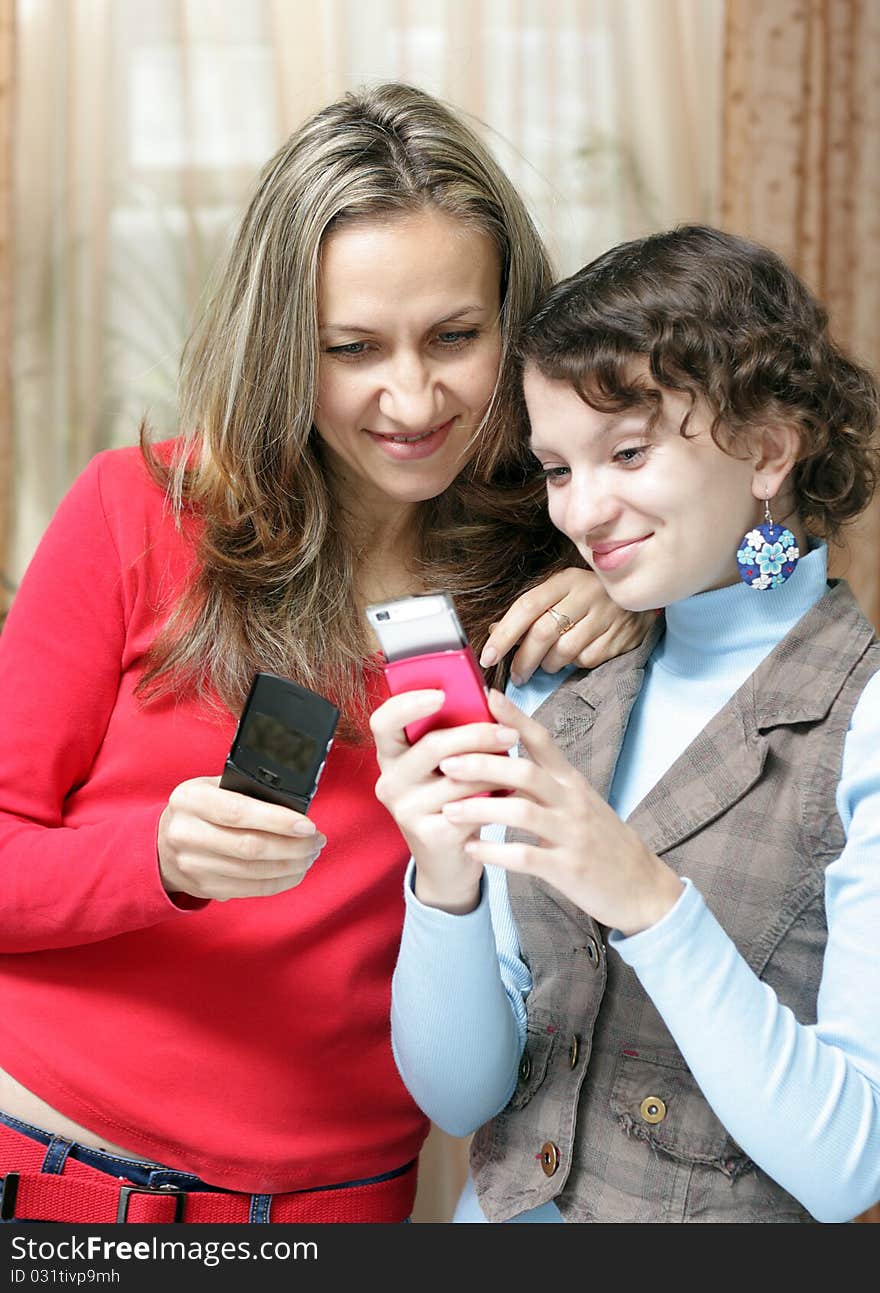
[803, 1101]
[712, 643]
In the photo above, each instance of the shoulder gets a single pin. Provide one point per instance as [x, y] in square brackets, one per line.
[121, 484]
[116, 506]
[865, 717]
[124, 472]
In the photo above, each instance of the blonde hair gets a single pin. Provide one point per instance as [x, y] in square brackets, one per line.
[275, 577]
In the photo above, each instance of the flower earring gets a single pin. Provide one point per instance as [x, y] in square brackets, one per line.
[768, 554]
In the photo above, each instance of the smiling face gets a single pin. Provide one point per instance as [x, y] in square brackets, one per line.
[657, 514]
[408, 317]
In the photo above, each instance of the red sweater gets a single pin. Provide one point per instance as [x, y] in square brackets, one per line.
[244, 1041]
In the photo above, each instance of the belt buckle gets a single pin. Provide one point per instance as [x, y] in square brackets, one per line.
[164, 1190]
[8, 1191]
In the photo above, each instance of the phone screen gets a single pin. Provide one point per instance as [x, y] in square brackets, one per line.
[281, 743]
[268, 738]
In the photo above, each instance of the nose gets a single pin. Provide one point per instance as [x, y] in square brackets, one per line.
[586, 509]
[409, 395]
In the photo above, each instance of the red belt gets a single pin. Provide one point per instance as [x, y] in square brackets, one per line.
[81, 1194]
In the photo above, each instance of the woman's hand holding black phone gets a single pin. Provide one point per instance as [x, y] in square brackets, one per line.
[245, 834]
[219, 844]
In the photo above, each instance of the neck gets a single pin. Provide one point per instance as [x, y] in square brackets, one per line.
[373, 523]
[385, 558]
[709, 632]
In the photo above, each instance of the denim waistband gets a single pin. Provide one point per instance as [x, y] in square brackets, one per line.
[59, 1148]
[153, 1175]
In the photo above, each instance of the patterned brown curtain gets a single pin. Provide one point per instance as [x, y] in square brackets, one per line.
[801, 173]
[7, 47]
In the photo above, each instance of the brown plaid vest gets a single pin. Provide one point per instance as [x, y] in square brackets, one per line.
[607, 1119]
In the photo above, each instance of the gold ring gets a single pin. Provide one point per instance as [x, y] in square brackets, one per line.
[562, 620]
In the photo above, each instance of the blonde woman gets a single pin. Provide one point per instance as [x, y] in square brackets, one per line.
[195, 1021]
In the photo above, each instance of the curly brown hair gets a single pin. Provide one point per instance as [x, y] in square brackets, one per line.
[724, 319]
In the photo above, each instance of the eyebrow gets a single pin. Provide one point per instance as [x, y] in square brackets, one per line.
[457, 313]
[611, 428]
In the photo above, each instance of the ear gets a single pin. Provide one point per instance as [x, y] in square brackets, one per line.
[775, 450]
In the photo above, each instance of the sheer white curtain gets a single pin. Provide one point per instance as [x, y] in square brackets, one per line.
[140, 126]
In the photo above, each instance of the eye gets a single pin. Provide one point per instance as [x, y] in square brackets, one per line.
[349, 350]
[632, 456]
[453, 340]
[555, 475]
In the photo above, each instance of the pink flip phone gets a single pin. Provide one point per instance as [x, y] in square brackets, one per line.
[424, 646]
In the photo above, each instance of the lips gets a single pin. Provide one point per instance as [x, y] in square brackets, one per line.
[611, 556]
[413, 447]
[411, 439]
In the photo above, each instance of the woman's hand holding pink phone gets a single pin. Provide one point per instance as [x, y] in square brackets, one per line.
[426, 649]
[415, 792]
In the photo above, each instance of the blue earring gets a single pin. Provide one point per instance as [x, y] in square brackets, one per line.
[768, 554]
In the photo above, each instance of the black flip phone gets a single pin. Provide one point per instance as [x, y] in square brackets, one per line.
[281, 743]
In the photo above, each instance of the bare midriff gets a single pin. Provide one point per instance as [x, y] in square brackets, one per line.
[17, 1101]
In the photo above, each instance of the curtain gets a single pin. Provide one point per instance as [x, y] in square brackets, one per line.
[801, 172]
[139, 130]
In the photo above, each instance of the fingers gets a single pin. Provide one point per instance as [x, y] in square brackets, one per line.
[510, 811]
[411, 786]
[545, 826]
[626, 630]
[422, 758]
[556, 624]
[538, 742]
[583, 850]
[192, 868]
[218, 844]
[519, 618]
[521, 776]
[203, 797]
[550, 646]
[266, 854]
[419, 799]
[414, 791]
[528, 859]
[591, 614]
[540, 647]
[207, 880]
[388, 720]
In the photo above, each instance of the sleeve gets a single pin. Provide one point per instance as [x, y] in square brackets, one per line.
[61, 652]
[803, 1100]
[458, 1014]
[453, 1032]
